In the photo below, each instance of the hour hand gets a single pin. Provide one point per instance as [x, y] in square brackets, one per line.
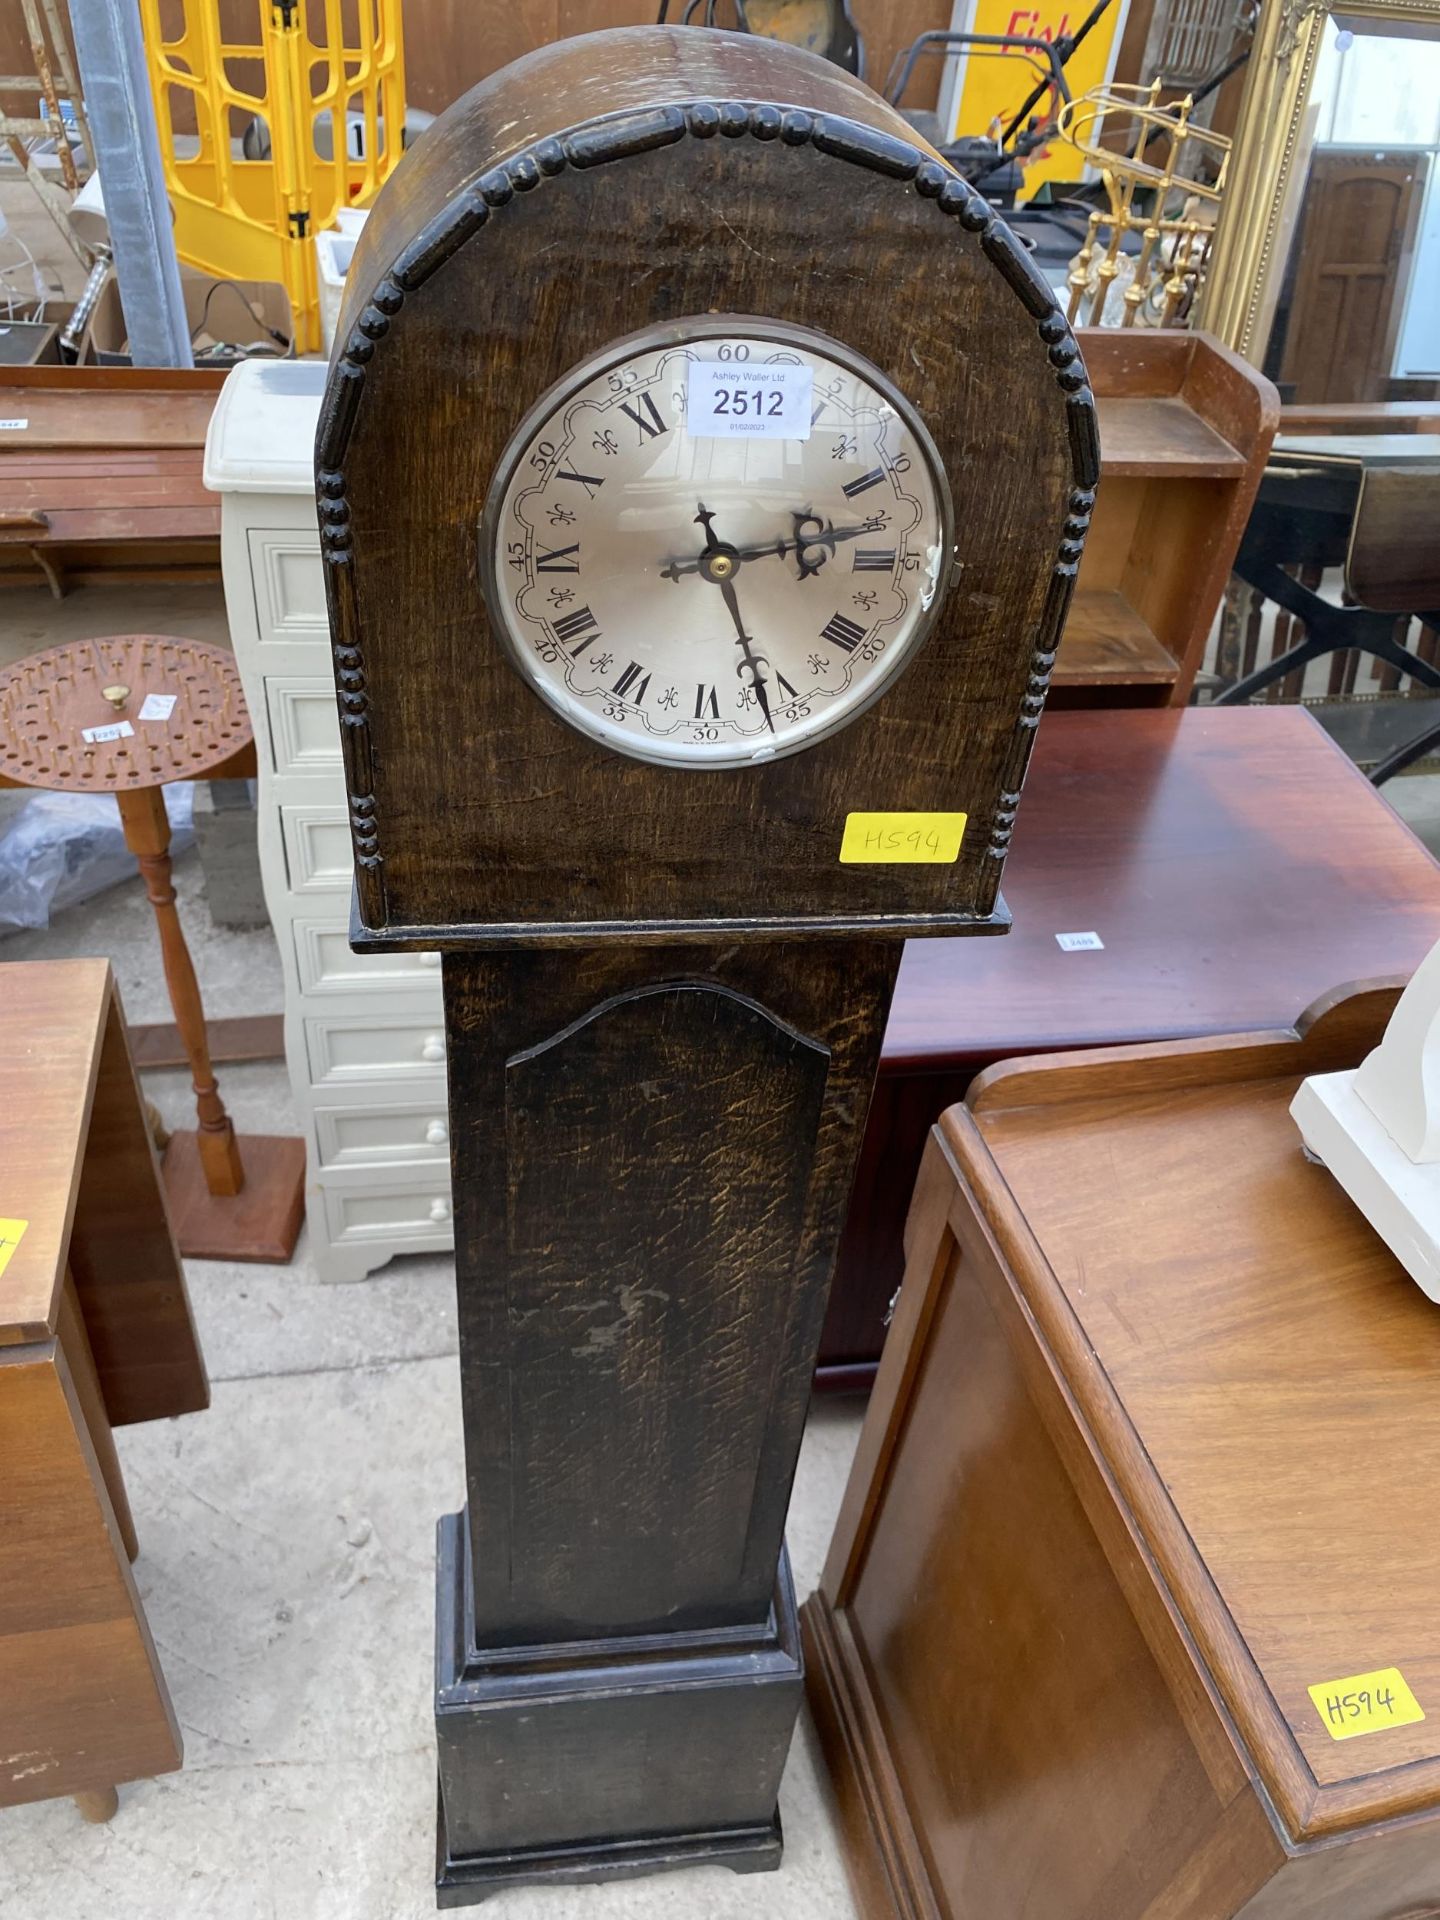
[677, 569]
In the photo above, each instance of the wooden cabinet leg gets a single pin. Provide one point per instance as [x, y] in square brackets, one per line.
[98, 1807]
[147, 834]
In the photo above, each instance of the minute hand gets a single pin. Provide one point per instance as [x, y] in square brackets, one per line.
[727, 589]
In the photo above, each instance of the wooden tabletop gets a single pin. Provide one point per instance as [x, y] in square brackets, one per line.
[110, 407]
[1258, 1370]
[1232, 860]
[52, 1015]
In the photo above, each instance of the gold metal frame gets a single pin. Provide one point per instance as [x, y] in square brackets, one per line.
[1085, 123]
[1262, 196]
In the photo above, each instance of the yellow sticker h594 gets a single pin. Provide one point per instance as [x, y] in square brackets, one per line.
[10, 1235]
[1365, 1703]
[885, 838]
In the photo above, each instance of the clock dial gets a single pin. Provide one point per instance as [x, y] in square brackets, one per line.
[717, 543]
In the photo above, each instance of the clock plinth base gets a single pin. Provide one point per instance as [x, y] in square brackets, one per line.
[465, 1882]
[600, 1761]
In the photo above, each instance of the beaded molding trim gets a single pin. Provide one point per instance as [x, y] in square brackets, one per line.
[620, 137]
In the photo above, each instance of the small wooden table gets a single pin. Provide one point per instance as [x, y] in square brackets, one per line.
[1153, 1454]
[95, 1331]
[1234, 863]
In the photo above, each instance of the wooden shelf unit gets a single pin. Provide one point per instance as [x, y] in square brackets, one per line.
[1185, 429]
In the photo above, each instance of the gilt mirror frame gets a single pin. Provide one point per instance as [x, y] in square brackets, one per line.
[1270, 160]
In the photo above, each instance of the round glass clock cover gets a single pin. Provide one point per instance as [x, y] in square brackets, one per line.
[717, 542]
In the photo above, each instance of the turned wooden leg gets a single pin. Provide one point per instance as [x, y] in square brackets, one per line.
[147, 834]
[98, 1807]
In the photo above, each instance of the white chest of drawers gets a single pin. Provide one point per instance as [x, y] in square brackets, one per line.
[364, 1036]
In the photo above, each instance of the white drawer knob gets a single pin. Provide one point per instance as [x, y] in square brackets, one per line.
[439, 1210]
[429, 959]
[437, 1133]
[434, 1047]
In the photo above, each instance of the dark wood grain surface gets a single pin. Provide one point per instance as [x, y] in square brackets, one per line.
[1136, 1316]
[435, 369]
[675, 1158]
[1234, 863]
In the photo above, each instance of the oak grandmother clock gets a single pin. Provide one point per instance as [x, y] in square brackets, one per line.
[703, 474]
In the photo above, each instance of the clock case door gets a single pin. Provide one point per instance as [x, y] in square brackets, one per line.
[745, 178]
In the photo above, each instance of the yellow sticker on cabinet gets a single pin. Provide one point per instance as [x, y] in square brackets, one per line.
[11, 1232]
[875, 838]
[1366, 1703]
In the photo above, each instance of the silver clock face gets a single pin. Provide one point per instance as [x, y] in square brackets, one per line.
[717, 543]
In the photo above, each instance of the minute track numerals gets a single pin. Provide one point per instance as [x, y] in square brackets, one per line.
[675, 595]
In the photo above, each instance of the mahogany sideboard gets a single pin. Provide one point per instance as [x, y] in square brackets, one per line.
[1130, 1609]
[1235, 865]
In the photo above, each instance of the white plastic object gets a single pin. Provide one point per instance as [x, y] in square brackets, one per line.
[1377, 1129]
[334, 248]
[434, 1047]
[439, 1210]
[437, 1133]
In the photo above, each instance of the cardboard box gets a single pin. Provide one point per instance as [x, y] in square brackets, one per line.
[29, 343]
[233, 314]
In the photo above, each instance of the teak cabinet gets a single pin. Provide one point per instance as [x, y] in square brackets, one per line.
[1154, 1452]
[95, 1331]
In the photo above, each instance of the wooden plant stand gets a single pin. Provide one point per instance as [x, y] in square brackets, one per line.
[127, 715]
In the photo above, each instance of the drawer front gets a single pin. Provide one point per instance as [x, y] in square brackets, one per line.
[390, 1212]
[344, 1051]
[318, 854]
[304, 725]
[327, 965]
[289, 586]
[384, 1136]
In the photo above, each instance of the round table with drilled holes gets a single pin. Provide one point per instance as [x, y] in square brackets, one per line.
[127, 714]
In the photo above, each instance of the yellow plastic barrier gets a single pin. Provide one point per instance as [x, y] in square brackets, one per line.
[315, 99]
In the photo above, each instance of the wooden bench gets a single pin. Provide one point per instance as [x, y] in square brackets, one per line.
[100, 474]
